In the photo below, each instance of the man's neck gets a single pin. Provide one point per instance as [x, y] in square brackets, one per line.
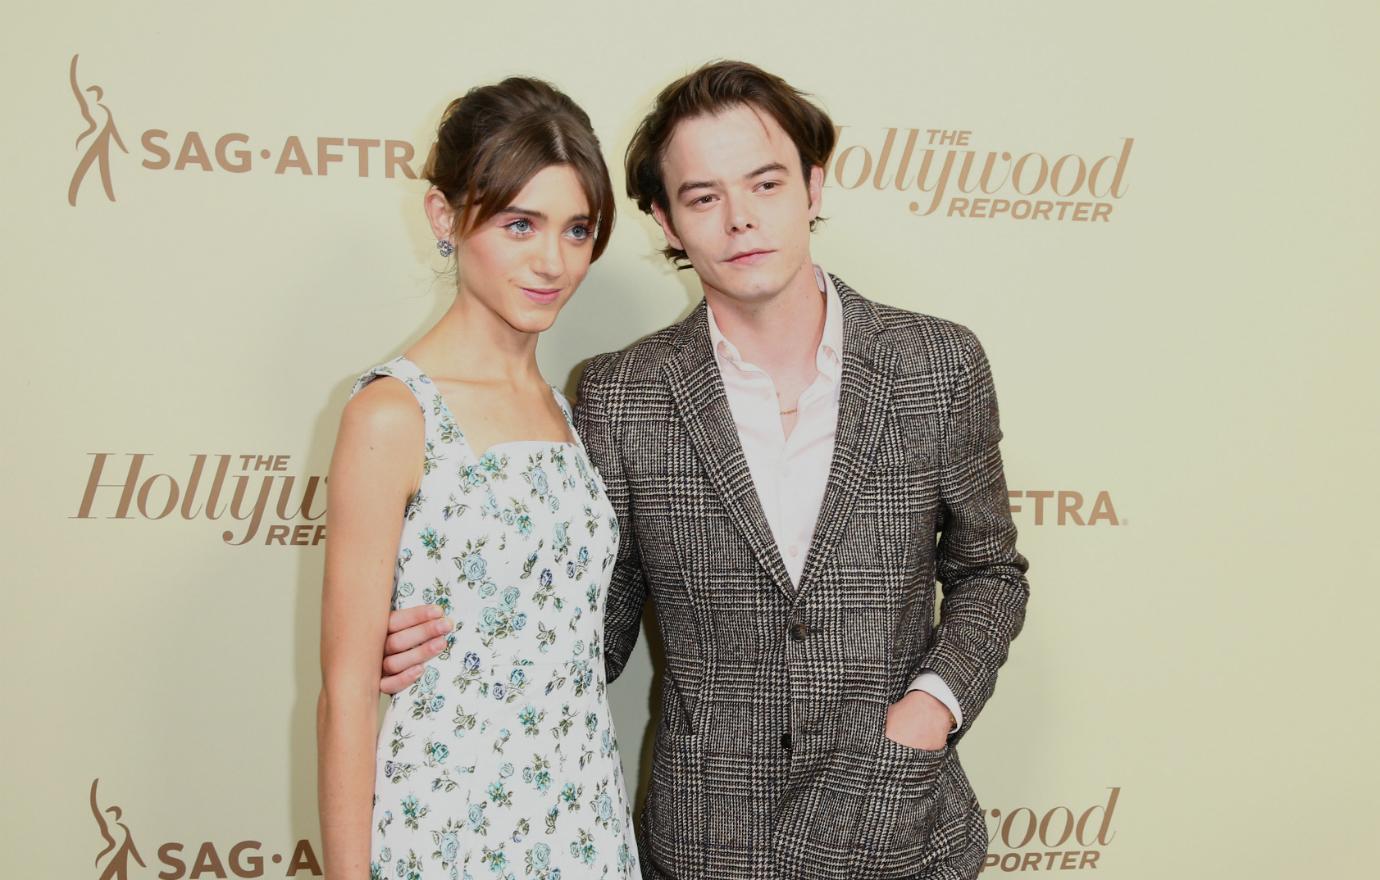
[780, 333]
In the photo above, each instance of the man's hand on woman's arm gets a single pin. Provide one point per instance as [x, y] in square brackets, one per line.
[415, 635]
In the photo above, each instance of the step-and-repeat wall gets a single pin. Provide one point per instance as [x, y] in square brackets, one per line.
[1160, 218]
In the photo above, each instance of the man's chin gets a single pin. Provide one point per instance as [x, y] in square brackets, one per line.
[749, 287]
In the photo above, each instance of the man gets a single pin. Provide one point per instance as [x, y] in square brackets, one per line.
[793, 466]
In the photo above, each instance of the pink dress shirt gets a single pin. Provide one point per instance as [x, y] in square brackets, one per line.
[789, 473]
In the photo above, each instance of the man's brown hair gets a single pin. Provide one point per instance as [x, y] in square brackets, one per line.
[714, 88]
[495, 138]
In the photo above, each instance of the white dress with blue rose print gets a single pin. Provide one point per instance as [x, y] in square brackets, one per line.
[501, 762]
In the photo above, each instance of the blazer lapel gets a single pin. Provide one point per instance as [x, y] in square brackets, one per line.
[698, 391]
[864, 402]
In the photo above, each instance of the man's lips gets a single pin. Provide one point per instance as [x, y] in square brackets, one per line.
[749, 257]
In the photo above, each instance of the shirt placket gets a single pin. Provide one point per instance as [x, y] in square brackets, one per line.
[794, 510]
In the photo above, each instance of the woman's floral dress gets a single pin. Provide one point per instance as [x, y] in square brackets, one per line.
[501, 760]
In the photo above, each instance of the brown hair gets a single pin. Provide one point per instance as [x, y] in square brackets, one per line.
[712, 89]
[495, 138]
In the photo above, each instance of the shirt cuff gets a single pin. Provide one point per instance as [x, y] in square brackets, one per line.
[932, 684]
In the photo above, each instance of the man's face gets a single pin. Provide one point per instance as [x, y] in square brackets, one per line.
[739, 205]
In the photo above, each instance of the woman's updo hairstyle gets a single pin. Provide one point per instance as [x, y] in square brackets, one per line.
[496, 138]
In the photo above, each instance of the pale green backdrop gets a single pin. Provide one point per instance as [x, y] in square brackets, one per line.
[1196, 663]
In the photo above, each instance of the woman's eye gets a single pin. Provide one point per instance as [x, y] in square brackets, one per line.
[579, 232]
[520, 226]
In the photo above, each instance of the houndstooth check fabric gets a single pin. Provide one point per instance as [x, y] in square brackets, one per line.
[769, 758]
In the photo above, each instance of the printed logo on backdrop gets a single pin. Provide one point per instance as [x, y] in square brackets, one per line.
[1064, 507]
[175, 861]
[1061, 838]
[98, 150]
[231, 152]
[254, 497]
[939, 172]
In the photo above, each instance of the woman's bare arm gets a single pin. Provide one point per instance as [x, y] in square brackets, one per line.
[375, 468]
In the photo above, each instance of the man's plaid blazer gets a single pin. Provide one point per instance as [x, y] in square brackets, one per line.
[769, 758]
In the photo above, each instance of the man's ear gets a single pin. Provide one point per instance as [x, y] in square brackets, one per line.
[663, 219]
[816, 190]
[439, 214]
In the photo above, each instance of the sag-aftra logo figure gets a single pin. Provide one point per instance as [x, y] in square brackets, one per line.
[98, 150]
[120, 852]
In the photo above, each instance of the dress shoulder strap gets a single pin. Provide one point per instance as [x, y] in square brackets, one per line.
[429, 400]
[569, 415]
[404, 371]
[570, 420]
[444, 440]
[563, 403]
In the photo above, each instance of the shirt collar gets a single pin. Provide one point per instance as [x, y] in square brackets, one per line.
[829, 355]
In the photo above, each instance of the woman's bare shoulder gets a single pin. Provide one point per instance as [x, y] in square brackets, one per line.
[383, 413]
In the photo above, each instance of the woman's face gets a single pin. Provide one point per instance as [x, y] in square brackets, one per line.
[525, 262]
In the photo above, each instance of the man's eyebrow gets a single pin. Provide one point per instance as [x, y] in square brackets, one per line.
[708, 184]
[694, 184]
[770, 166]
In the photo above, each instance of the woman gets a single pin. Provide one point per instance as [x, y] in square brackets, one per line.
[500, 760]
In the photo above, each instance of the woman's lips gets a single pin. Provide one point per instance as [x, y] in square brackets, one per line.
[540, 295]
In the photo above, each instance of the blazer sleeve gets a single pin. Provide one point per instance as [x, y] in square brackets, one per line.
[628, 587]
[982, 575]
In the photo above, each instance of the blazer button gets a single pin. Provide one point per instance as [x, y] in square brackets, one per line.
[786, 741]
[798, 632]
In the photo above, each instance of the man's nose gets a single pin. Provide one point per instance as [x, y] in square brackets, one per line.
[739, 216]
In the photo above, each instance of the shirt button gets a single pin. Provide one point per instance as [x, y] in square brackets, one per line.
[794, 550]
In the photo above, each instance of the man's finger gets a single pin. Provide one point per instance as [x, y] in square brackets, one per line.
[401, 641]
[393, 684]
[395, 663]
[406, 618]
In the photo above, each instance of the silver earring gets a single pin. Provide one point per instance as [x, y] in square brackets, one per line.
[445, 247]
